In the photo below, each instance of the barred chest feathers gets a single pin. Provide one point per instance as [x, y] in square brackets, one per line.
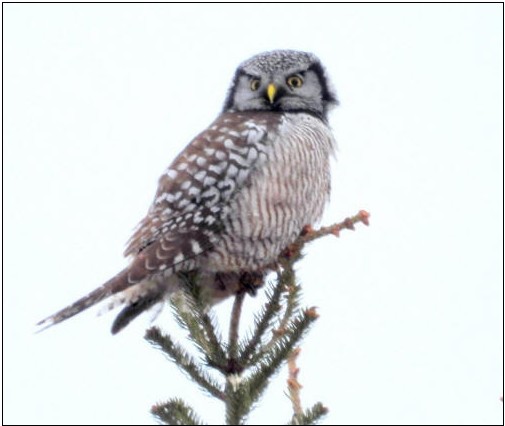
[287, 189]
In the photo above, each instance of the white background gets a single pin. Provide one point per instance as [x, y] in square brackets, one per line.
[98, 99]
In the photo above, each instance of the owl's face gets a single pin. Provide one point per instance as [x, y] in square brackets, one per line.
[281, 80]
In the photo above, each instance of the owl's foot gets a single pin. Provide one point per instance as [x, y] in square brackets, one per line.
[250, 282]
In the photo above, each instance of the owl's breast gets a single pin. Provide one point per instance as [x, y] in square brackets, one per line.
[285, 192]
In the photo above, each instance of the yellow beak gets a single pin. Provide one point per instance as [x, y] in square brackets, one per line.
[271, 91]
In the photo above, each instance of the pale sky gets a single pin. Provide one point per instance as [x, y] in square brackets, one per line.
[100, 98]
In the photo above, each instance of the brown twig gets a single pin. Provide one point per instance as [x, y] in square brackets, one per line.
[294, 385]
[233, 335]
[309, 234]
[348, 223]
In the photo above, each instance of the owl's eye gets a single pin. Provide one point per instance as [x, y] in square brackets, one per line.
[294, 81]
[255, 84]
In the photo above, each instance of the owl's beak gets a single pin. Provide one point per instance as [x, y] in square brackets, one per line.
[271, 92]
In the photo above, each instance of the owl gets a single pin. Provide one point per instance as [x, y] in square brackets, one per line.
[236, 196]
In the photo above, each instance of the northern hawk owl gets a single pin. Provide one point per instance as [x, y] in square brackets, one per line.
[237, 195]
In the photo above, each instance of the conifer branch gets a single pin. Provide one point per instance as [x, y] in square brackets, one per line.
[292, 298]
[185, 313]
[191, 316]
[263, 321]
[238, 402]
[294, 385]
[209, 325]
[300, 417]
[310, 416]
[184, 361]
[273, 358]
[246, 366]
[310, 234]
[175, 412]
[286, 280]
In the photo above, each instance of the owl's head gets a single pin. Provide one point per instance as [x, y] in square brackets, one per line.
[281, 80]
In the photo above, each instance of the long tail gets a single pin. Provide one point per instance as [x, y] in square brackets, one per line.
[145, 301]
[116, 284]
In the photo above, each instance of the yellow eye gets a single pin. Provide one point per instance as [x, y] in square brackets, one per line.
[255, 84]
[295, 81]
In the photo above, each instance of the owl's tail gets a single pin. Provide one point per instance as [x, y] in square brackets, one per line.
[116, 284]
[146, 299]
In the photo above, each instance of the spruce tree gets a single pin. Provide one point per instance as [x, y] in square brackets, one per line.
[247, 364]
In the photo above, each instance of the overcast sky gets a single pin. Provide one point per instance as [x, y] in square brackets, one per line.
[100, 98]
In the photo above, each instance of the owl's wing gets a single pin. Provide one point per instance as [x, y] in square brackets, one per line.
[194, 192]
[186, 216]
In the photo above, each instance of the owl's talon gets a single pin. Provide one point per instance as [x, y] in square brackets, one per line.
[250, 282]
